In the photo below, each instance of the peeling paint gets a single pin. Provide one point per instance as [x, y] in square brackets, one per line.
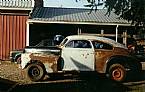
[101, 57]
[80, 59]
[49, 60]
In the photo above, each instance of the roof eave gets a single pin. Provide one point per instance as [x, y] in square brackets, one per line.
[16, 8]
[31, 21]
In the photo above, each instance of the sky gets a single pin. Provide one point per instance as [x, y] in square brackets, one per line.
[66, 3]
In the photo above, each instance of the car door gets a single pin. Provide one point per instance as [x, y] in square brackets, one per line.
[78, 55]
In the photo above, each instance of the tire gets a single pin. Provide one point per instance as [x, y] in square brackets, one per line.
[117, 72]
[35, 72]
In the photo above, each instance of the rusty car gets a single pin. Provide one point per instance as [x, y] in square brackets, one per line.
[82, 53]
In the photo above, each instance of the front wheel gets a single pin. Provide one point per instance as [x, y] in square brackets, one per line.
[35, 72]
[117, 72]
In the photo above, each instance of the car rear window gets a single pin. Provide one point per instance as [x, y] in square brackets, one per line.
[102, 45]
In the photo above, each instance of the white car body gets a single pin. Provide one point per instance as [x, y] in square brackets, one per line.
[79, 59]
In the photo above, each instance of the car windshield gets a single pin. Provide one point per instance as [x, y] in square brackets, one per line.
[45, 42]
[63, 42]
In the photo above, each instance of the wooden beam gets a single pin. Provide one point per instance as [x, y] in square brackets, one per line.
[116, 33]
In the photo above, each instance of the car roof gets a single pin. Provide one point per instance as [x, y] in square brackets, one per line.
[93, 37]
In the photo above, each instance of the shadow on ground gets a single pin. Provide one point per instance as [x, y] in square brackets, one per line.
[67, 84]
[75, 86]
[100, 86]
[6, 85]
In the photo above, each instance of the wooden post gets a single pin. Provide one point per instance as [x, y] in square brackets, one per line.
[116, 33]
[102, 31]
[125, 38]
[78, 31]
[27, 34]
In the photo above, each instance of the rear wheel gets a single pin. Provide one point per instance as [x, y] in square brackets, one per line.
[117, 72]
[35, 72]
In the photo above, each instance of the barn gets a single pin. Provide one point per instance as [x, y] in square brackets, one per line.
[13, 17]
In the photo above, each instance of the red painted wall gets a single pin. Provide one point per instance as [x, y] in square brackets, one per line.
[12, 33]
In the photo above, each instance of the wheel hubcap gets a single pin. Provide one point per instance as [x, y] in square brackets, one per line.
[117, 74]
[35, 72]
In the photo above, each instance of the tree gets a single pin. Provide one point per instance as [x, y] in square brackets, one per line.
[131, 10]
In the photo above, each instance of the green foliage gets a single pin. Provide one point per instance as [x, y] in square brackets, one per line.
[131, 10]
[93, 4]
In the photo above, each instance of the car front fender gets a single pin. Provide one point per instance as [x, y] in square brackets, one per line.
[25, 59]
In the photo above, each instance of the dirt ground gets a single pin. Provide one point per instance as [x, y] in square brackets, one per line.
[12, 72]
[14, 79]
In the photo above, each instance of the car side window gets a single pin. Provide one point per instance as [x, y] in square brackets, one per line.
[86, 44]
[70, 44]
[102, 45]
[79, 44]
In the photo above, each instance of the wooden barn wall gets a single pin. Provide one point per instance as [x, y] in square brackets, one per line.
[12, 34]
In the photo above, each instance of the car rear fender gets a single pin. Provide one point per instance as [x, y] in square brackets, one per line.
[126, 61]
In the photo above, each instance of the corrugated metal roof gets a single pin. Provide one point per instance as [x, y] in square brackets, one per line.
[49, 14]
[10, 4]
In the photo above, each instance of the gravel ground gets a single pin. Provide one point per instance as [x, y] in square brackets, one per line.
[12, 72]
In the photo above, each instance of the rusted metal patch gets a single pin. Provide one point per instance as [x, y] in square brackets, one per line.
[101, 57]
[44, 57]
[49, 61]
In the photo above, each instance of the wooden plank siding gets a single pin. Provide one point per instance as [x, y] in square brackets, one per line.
[12, 34]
